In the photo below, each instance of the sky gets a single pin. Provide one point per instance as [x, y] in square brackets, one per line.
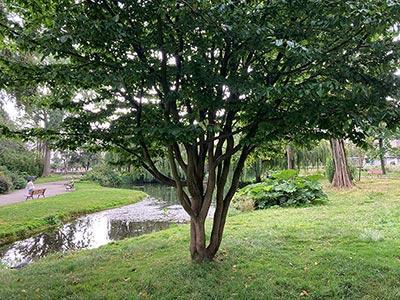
[9, 107]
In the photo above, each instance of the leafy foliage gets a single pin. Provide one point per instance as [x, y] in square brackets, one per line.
[5, 184]
[105, 176]
[16, 164]
[18, 159]
[285, 175]
[286, 189]
[108, 176]
[12, 180]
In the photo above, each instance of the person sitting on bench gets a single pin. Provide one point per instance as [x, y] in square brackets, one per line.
[38, 192]
[69, 186]
[30, 186]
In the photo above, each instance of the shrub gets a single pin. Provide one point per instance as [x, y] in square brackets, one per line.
[5, 184]
[105, 176]
[329, 169]
[111, 179]
[293, 191]
[19, 181]
[18, 159]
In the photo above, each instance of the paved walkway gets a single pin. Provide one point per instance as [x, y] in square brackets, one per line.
[52, 189]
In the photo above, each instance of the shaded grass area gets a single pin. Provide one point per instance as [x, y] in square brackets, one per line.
[21, 219]
[347, 249]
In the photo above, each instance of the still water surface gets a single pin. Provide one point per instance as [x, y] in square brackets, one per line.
[95, 230]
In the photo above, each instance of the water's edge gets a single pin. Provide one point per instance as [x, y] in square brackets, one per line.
[94, 230]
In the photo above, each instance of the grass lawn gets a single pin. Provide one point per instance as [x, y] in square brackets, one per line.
[51, 178]
[24, 218]
[346, 249]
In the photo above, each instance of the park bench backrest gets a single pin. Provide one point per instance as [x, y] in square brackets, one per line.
[375, 171]
[38, 192]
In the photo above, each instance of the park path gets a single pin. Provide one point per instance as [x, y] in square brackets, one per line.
[52, 189]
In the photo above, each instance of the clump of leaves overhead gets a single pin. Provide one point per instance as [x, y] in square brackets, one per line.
[282, 191]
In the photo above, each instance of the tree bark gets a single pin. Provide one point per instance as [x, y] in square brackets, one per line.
[290, 157]
[46, 159]
[257, 169]
[341, 177]
[198, 251]
[382, 156]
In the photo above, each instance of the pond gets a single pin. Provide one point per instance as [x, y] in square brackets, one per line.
[94, 230]
[158, 191]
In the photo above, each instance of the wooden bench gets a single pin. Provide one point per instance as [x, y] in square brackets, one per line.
[69, 186]
[38, 192]
[375, 172]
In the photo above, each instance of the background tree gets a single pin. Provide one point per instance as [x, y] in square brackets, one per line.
[380, 144]
[341, 173]
[290, 157]
[84, 159]
[17, 161]
[37, 114]
[211, 79]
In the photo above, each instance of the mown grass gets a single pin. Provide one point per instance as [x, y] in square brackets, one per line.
[346, 249]
[51, 178]
[22, 219]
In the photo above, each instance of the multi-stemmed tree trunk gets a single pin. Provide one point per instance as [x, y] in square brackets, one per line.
[341, 177]
[290, 157]
[196, 199]
[382, 155]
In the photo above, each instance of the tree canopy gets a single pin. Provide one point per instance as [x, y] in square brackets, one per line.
[204, 83]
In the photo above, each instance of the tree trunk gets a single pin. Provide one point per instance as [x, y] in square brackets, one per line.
[198, 251]
[382, 156]
[46, 159]
[341, 177]
[196, 198]
[360, 165]
[290, 157]
[65, 167]
[257, 169]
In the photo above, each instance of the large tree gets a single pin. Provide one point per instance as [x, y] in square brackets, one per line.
[204, 83]
[341, 173]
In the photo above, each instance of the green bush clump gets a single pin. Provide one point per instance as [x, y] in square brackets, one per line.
[282, 191]
[105, 176]
[5, 184]
[15, 181]
[18, 159]
[19, 181]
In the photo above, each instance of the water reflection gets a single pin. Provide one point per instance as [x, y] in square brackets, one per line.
[100, 228]
[95, 230]
[158, 191]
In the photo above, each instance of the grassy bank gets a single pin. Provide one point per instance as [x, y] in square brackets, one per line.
[347, 249]
[25, 218]
[51, 178]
